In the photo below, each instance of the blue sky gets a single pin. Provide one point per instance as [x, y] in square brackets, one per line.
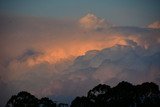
[119, 12]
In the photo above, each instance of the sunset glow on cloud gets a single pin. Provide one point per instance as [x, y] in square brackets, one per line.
[52, 57]
[92, 22]
[60, 54]
[155, 25]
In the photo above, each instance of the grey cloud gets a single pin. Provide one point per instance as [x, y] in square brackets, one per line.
[28, 54]
[29, 39]
[111, 65]
[121, 63]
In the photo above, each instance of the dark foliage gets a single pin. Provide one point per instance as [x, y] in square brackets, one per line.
[82, 102]
[25, 99]
[46, 102]
[122, 95]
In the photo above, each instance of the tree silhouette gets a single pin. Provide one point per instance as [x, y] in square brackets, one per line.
[46, 102]
[123, 95]
[98, 90]
[82, 102]
[23, 99]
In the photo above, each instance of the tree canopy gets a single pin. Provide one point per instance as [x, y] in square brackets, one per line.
[25, 99]
[123, 95]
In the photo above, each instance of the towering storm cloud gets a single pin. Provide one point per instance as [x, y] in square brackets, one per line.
[49, 57]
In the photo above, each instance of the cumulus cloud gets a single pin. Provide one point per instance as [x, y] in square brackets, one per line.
[92, 22]
[154, 25]
[44, 56]
[118, 63]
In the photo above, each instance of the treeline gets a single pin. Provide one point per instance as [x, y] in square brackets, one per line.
[25, 99]
[123, 95]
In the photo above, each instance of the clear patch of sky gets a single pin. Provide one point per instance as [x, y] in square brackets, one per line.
[119, 12]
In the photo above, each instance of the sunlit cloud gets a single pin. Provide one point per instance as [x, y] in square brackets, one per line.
[155, 25]
[52, 54]
[92, 22]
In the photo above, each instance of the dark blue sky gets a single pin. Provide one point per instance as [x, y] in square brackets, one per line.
[119, 12]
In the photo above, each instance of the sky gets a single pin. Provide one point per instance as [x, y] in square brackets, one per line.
[120, 12]
[62, 49]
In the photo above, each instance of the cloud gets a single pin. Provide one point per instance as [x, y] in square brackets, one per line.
[92, 22]
[44, 56]
[154, 25]
[120, 62]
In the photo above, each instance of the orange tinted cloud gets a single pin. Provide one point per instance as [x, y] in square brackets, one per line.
[59, 42]
[155, 25]
[72, 49]
[92, 22]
